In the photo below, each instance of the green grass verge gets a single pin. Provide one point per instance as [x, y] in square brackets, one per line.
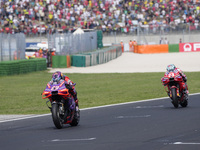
[21, 94]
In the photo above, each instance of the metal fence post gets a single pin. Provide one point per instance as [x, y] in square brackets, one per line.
[9, 41]
[2, 47]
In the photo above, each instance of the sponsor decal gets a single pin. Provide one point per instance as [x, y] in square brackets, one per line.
[54, 88]
[189, 47]
[33, 44]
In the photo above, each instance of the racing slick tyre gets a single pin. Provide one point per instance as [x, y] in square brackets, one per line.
[174, 97]
[56, 116]
[76, 118]
[184, 103]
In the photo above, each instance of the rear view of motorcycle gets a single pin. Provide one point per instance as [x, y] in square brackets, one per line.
[63, 108]
[173, 83]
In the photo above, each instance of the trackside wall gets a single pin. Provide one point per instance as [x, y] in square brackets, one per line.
[146, 49]
[87, 59]
[22, 66]
[98, 57]
[171, 48]
[61, 61]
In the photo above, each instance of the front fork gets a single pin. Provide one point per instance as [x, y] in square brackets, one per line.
[168, 90]
[61, 109]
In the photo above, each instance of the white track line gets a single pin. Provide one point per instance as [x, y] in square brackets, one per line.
[127, 117]
[22, 118]
[72, 140]
[140, 101]
[184, 143]
[90, 108]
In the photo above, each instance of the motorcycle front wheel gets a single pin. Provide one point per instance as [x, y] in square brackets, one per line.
[56, 116]
[174, 97]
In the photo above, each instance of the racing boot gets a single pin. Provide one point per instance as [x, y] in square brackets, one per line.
[75, 98]
[77, 107]
[186, 92]
[76, 102]
[77, 113]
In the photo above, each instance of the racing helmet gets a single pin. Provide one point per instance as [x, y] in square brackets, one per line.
[57, 76]
[171, 68]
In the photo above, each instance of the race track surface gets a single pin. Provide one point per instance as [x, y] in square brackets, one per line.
[154, 125]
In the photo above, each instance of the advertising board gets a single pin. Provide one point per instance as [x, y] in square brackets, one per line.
[189, 47]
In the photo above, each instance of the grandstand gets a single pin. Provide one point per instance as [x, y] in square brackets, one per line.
[33, 17]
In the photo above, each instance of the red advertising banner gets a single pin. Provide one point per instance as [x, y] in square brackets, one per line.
[189, 47]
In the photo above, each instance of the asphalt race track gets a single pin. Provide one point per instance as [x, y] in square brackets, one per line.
[153, 124]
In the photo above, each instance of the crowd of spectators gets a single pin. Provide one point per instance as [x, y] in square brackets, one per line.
[47, 16]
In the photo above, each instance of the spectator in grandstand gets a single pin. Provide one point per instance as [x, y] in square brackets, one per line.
[25, 16]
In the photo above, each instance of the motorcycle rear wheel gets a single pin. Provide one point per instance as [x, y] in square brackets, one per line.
[184, 104]
[174, 97]
[76, 118]
[56, 116]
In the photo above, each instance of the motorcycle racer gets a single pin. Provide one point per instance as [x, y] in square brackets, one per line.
[173, 68]
[62, 96]
[59, 77]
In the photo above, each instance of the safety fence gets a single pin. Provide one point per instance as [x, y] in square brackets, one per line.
[151, 29]
[12, 46]
[69, 44]
[22, 66]
[170, 48]
[87, 59]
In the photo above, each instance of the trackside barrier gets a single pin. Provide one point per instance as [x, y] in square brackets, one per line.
[80, 60]
[148, 49]
[98, 57]
[61, 61]
[68, 61]
[173, 48]
[101, 57]
[22, 66]
[189, 47]
[93, 58]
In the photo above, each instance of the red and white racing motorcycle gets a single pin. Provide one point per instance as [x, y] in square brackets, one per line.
[174, 86]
